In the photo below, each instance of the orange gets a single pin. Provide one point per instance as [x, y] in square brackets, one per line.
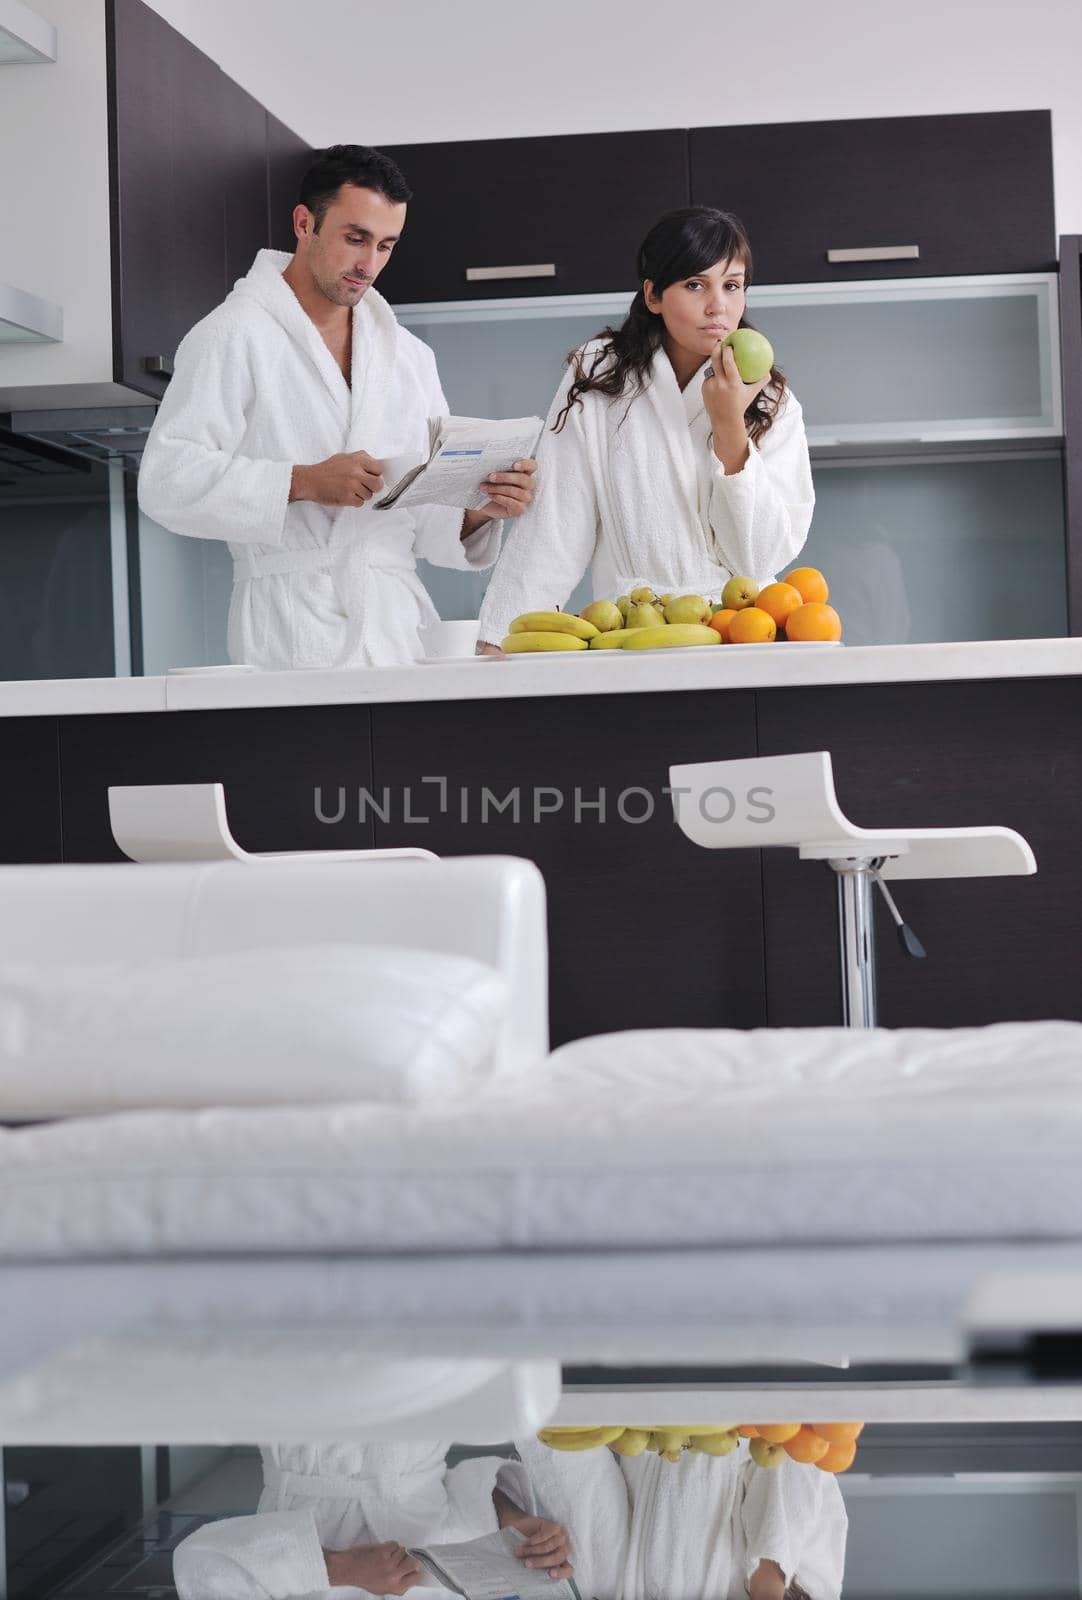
[838, 1432]
[839, 1458]
[778, 1432]
[747, 1431]
[810, 582]
[720, 623]
[807, 1446]
[813, 621]
[778, 600]
[752, 626]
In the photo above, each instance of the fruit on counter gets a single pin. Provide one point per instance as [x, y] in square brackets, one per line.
[523, 643]
[720, 621]
[739, 592]
[765, 1454]
[645, 615]
[813, 620]
[613, 640]
[778, 1432]
[779, 600]
[806, 1446]
[839, 1457]
[670, 634]
[663, 600]
[810, 582]
[605, 615]
[688, 608]
[552, 622]
[643, 595]
[752, 626]
[623, 605]
[753, 352]
[632, 1442]
[838, 1432]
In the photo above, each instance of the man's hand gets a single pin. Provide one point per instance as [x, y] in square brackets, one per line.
[545, 1546]
[767, 1582]
[343, 480]
[509, 493]
[376, 1568]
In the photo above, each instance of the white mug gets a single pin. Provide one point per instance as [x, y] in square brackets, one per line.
[449, 639]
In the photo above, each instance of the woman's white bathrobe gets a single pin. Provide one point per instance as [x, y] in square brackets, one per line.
[255, 392]
[334, 1496]
[693, 1528]
[637, 492]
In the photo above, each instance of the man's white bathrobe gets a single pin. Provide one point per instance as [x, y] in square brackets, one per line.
[637, 492]
[255, 392]
[650, 1529]
[334, 1496]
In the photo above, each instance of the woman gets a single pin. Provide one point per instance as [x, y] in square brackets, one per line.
[658, 464]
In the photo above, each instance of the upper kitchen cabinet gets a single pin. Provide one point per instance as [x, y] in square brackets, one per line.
[539, 216]
[886, 197]
[288, 157]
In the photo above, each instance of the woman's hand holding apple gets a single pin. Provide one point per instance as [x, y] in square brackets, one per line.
[727, 397]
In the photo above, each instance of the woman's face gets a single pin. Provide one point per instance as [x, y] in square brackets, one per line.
[699, 311]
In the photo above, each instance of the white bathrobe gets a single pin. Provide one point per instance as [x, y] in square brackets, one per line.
[334, 1496]
[692, 1528]
[637, 492]
[255, 392]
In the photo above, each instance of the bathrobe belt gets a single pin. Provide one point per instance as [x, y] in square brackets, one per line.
[320, 1486]
[360, 553]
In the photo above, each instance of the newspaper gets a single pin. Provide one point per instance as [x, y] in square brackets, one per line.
[487, 1568]
[462, 452]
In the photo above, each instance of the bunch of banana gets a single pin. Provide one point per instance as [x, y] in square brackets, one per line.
[547, 630]
[670, 1443]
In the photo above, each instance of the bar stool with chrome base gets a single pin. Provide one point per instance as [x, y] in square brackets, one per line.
[790, 800]
[188, 822]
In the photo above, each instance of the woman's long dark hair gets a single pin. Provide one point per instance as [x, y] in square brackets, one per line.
[680, 245]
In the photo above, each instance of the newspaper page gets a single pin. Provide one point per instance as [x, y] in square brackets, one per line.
[487, 1569]
[462, 452]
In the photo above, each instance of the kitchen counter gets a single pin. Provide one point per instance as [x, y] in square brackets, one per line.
[580, 673]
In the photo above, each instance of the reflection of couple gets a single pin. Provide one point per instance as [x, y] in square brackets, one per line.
[335, 1520]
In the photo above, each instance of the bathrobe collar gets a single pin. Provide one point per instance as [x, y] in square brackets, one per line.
[678, 410]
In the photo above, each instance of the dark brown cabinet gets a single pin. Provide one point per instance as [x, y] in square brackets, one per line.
[969, 194]
[1070, 332]
[540, 216]
[196, 164]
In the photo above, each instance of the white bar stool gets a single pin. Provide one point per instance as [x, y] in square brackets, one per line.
[790, 800]
[188, 822]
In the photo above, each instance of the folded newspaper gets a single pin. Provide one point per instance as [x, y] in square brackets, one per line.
[462, 452]
[488, 1569]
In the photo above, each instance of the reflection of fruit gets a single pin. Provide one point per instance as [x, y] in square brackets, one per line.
[778, 1432]
[839, 1457]
[670, 634]
[838, 1432]
[746, 1431]
[720, 622]
[645, 615]
[688, 608]
[806, 1446]
[523, 643]
[814, 621]
[779, 600]
[714, 1444]
[643, 595]
[765, 1454]
[753, 352]
[739, 592]
[552, 622]
[752, 626]
[810, 582]
[671, 1438]
[611, 641]
[604, 614]
[578, 1438]
[632, 1442]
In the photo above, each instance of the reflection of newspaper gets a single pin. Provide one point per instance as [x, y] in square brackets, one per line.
[462, 451]
[487, 1569]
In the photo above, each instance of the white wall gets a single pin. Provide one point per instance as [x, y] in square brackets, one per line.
[54, 216]
[493, 69]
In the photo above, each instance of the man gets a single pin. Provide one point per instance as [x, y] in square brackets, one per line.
[285, 402]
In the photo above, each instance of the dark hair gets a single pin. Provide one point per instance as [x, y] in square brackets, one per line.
[350, 163]
[681, 244]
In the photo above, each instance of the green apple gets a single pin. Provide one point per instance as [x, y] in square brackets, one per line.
[765, 1454]
[645, 616]
[688, 608]
[738, 593]
[753, 353]
[604, 614]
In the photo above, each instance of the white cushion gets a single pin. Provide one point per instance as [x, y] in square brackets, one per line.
[331, 1022]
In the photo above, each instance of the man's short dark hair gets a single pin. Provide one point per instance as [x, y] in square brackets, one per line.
[356, 164]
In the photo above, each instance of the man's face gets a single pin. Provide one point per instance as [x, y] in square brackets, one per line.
[359, 230]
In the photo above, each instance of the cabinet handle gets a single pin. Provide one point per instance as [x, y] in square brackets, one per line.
[878, 252]
[158, 366]
[491, 274]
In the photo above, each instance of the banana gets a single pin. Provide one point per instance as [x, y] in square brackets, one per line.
[673, 633]
[522, 643]
[632, 1442]
[553, 622]
[578, 1438]
[613, 640]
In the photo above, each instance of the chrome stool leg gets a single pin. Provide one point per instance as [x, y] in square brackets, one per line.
[856, 934]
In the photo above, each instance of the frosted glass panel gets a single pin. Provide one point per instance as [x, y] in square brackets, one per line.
[949, 550]
[184, 586]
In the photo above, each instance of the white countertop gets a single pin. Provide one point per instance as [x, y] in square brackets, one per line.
[527, 677]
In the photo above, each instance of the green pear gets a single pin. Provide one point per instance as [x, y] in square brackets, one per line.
[688, 608]
[645, 616]
[765, 1454]
[738, 593]
[643, 595]
[715, 1444]
[604, 614]
[623, 605]
[663, 599]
